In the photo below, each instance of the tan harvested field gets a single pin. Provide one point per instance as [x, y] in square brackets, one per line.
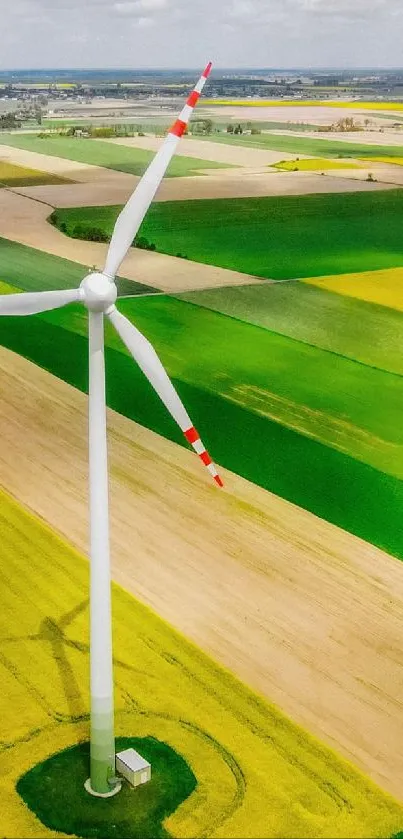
[368, 138]
[303, 612]
[99, 186]
[24, 220]
[224, 184]
[312, 114]
[386, 174]
[207, 150]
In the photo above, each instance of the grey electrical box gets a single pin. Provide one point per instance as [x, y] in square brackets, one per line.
[133, 767]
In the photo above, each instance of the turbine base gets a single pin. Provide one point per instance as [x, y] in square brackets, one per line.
[110, 794]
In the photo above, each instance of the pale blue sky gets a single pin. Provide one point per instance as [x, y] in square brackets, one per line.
[175, 33]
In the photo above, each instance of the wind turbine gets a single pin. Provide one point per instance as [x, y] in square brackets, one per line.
[98, 293]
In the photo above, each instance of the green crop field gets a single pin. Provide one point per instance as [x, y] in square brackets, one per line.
[243, 769]
[100, 153]
[355, 329]
[277, 237]
[307, 145]
[33, 270]
[335, 450]
[262, 378]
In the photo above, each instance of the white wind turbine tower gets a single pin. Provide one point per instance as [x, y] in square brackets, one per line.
[98, 293]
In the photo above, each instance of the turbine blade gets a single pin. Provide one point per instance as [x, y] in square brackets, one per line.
[133, 213]
[148, 361]
[31, 303]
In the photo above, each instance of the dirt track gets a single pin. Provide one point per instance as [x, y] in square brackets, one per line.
[305, 613]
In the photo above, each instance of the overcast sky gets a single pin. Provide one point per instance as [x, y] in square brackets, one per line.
[186, 33]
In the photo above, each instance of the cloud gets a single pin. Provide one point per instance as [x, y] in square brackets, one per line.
[273, 33]
[145, 22]
[355, 10]
[137, 7]
[242, 9]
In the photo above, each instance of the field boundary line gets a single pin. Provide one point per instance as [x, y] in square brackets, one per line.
[282, 334]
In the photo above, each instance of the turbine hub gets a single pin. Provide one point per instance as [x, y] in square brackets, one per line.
[99, 292]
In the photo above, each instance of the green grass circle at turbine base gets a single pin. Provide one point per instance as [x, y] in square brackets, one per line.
[54, 791]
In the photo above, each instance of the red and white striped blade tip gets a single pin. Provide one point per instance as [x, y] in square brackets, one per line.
[180, 125]
[193, 438]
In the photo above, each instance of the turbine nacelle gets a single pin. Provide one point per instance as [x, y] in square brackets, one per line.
[98, 292]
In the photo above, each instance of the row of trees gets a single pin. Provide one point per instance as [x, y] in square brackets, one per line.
[346, 124]
[92, 233]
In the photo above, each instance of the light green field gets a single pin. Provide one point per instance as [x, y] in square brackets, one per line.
[258, 775]
[98, 153]
[349, 327]
[308, 145]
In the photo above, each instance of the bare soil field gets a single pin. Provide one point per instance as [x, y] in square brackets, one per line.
[385, 173]
[222, 184]
[368, 138]
[303, 612]
[24, 220]
[312, 114]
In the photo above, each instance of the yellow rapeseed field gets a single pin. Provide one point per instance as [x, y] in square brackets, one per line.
[384, 286]
[303, 103]
[394, 161]
[313, 164]
[258, 774]
[13, 175]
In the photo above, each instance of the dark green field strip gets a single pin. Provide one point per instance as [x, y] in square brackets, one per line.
[355, 329]
[110, 155]
[308, 145]
[277, 237]
[33, 270]
[334, 486]
[348, 406]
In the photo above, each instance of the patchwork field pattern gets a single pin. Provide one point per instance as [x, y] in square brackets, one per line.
[383, 287]
[357, 329]
[33, 270]
[277, 237]
[309, 145]
[98, 153]
[346, 448]
[241, 750]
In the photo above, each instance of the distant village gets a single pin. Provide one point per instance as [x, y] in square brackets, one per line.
[27, 100]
